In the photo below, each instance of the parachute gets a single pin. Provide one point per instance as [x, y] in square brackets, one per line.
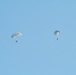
[56, 33]
[15, 35]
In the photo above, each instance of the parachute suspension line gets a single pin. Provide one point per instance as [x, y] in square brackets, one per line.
[16, 40]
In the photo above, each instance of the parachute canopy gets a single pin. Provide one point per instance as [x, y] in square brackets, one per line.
[57, 32]
[16, 35]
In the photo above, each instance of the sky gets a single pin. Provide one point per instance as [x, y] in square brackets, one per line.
[37, 51]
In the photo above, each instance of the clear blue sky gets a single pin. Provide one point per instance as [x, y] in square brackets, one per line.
[37, 51]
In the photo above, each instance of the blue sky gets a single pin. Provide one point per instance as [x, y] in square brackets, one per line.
[37, 51]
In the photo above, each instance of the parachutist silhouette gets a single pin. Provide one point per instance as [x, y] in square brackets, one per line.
[57, 38]
[15, 35]
[16, 41]
[56, 33]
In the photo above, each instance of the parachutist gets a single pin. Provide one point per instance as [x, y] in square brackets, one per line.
[56, 33]
[57, 38]
[16, 41]
[15, 35]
